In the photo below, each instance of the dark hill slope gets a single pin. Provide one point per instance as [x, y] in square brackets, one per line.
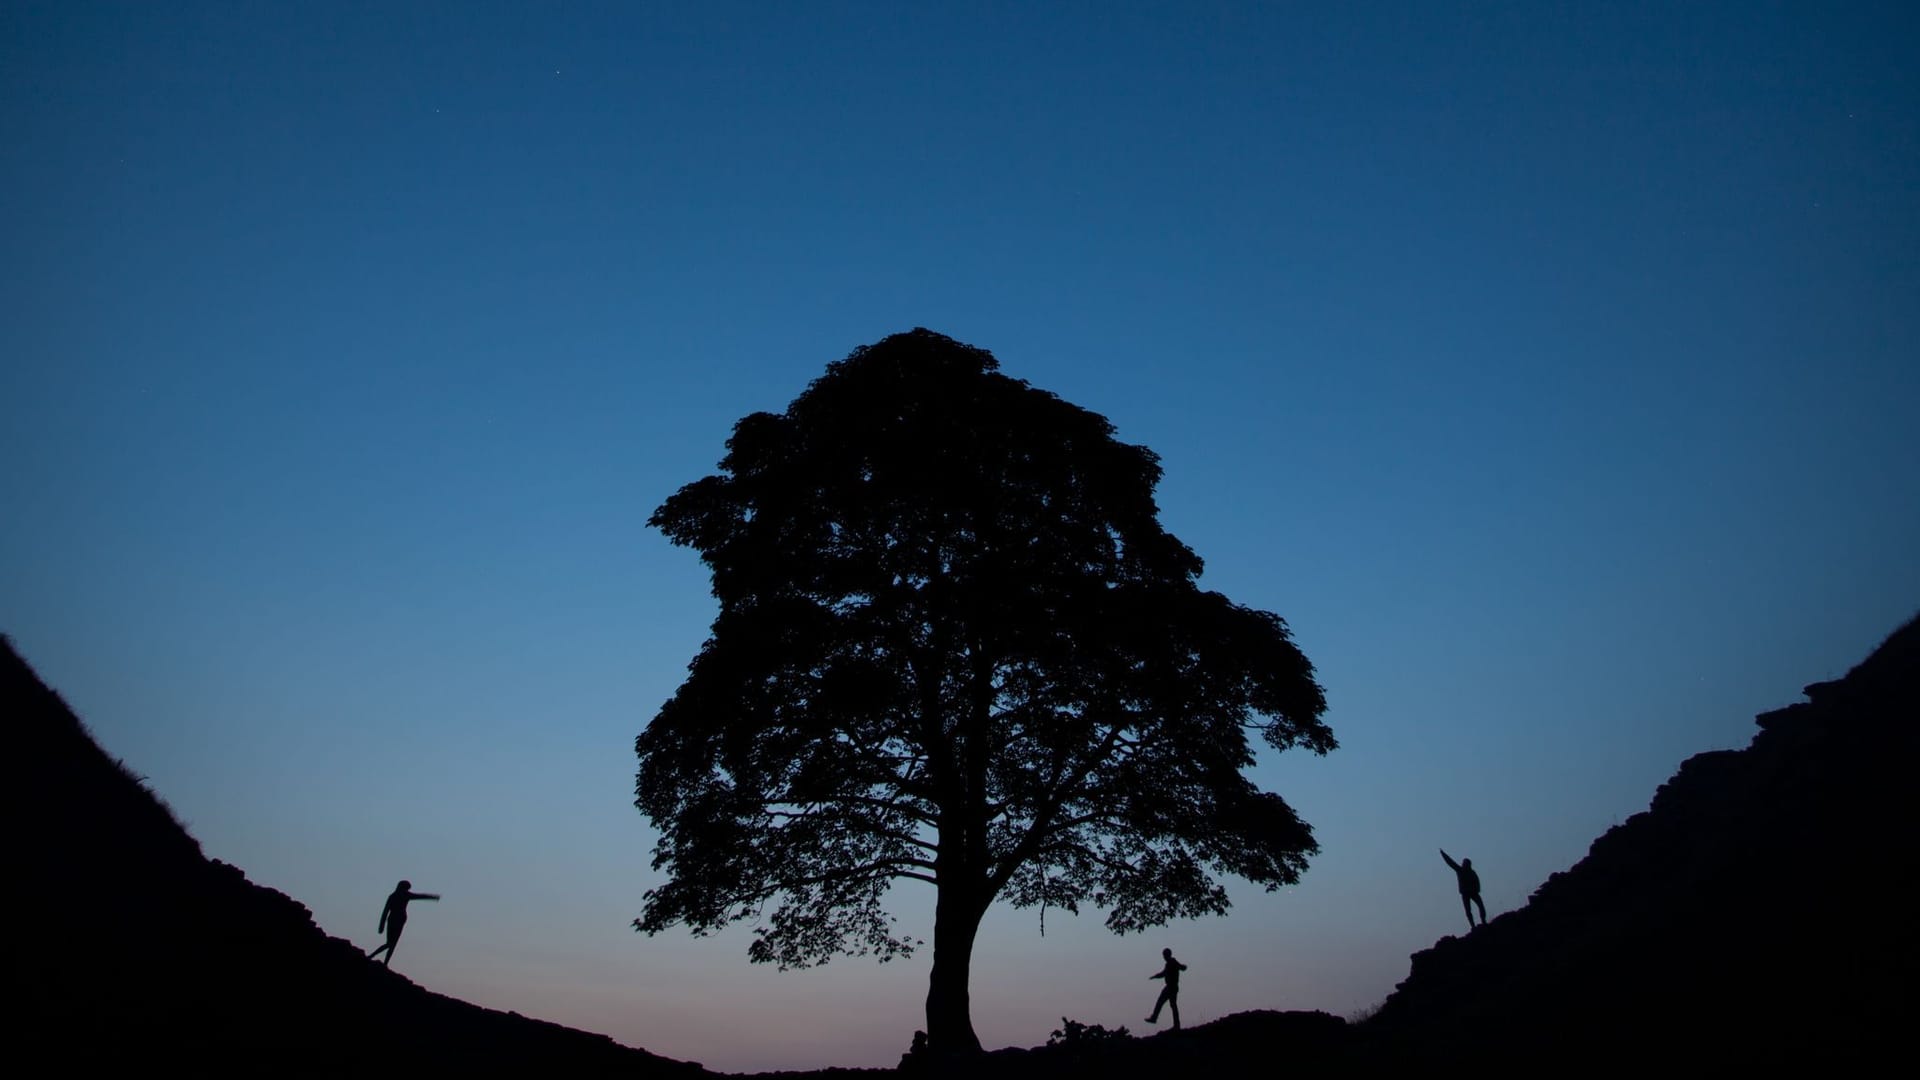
[132, 948]
[1751, 916]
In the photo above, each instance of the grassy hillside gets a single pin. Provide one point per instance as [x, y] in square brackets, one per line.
[134, 949]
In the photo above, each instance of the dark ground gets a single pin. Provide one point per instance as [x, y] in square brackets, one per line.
[1749, 918]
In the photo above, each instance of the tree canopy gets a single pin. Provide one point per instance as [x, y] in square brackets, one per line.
[955, 646]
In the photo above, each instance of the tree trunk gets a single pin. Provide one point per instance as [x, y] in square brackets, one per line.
[956, 920]
[960, 868]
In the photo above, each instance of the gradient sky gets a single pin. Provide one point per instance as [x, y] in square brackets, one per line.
[1553, 369]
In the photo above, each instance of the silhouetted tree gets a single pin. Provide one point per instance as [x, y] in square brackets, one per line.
[955, 646]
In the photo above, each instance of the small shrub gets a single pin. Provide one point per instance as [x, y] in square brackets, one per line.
[1073, 1033]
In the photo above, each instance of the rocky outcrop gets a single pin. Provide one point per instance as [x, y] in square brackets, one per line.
[1749, 917]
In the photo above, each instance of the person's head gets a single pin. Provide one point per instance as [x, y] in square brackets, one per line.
[403, 886]
[1466, 863]
[1168, 953]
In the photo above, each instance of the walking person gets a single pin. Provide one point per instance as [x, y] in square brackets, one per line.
[1169, 994]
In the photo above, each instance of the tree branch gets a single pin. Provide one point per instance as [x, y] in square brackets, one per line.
[893, 806]
[870, 830]
[1042, 825]
[867, 871]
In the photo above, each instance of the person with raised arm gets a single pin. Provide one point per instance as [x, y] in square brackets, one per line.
[1469, 882]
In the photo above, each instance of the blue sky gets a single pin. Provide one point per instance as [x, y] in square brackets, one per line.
[1552, 370]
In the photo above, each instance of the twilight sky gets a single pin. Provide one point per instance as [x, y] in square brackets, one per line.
[1554, 370]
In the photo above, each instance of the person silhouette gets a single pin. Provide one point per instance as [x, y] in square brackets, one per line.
[393, 917]
[1169, 994]
[1469, 887]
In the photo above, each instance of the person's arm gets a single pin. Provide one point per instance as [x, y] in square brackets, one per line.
[1449, 858]
[423, 896]
[384, 909]
[1157, 975]
[1183, 967]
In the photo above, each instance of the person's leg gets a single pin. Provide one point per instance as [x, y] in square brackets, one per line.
[1466, 905]
[1173, 1003]
[378, 949]
[1157, 1003]
[1482, 905]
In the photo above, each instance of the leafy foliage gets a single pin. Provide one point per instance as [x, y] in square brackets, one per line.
[955, 646]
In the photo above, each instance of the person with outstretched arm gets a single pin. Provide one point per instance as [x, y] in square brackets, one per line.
[1169, 994]
[393, 917]
[1469, 887]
